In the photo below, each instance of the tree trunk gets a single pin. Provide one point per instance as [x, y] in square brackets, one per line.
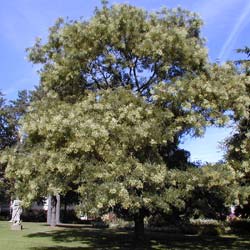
[53, 211]
[58, 208]
[139, 226]
[49, 210]
[65, 205]
[65, 210]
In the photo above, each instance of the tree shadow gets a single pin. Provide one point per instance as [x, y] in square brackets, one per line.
[90, 238]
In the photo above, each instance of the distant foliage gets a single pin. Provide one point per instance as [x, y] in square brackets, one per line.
[10, 114]
[238, 145]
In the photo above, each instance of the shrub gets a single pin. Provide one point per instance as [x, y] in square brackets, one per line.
[31, 215]
[211, 230]
[241, 226]
[205, 222]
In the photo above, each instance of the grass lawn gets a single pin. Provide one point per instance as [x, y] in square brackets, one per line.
[37, 236]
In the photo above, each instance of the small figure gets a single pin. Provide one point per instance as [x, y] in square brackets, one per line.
[232, 209]
[232, 216]
[16, 212]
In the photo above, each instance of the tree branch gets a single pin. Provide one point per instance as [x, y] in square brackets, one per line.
[135, 75]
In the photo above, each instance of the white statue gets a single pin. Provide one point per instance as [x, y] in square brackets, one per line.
[16, 212]
[232, 210]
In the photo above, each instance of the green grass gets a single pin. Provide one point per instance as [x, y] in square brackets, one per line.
[36, 236]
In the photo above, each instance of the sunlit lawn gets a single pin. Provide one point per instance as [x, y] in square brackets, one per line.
[36, 236]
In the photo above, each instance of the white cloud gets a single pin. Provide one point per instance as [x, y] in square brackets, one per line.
[22, 21]
[213, 10]
[238, 27]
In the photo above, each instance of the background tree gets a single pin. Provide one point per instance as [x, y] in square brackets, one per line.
[7, 133]
[213, 192]
[7, 123]
[120, 91]
[10, 113]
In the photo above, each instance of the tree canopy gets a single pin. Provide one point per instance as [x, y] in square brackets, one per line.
[119, 92]
[120, 46]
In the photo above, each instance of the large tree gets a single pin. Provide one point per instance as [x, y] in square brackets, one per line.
[119, 92]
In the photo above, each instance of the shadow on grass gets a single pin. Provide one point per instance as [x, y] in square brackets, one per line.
[89, 238]
[72, 226]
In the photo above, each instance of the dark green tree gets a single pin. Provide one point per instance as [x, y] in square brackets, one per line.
[7, 125]
[10, 114]
[7, 138]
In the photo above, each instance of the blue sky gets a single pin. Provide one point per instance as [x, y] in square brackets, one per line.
[226, 24]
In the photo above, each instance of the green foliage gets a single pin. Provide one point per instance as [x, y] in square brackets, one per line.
[9, 118]
[9, 135]
[117, 94]
[7, 138]
[119, 46]
[112, 130]
[212, 194]
[7, 125]
[238, 145]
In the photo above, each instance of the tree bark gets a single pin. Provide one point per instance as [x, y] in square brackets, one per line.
[53, 211]
[49, 210]
[58, 208]
[139, 226]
